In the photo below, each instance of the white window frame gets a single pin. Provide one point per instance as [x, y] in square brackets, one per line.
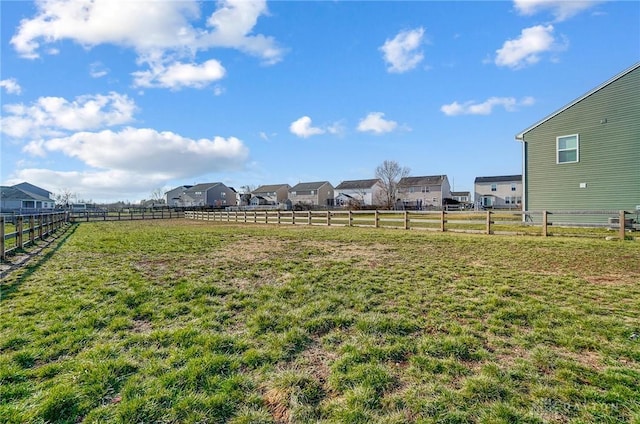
[558, 150]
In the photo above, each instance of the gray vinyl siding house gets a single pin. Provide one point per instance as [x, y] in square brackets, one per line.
[586, 156]
[498, 192]
[173, 198]
[215, 195]
[271, 194]
[32, 189]
[13, 199]
[358, 192]
[312, 194]
[425, 192]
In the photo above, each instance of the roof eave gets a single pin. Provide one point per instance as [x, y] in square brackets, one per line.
[520, 136]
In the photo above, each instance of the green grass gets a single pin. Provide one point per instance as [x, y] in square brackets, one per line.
[177, 321]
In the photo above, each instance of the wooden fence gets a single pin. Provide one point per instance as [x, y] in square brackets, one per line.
[488, 222]
[124, 215]
[26, 229]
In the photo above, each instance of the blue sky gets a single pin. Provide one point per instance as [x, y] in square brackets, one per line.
[112, 100]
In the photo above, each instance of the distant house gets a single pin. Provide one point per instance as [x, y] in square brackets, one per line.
[358, 193]
[459, 200]
[499, 192]
[243, 199]
[30, 188]
[271, 194]
[13, 199]
[461, 196]
[173, 197]
[586, 155]
[427, 192]
[201, 195]
[312, 194]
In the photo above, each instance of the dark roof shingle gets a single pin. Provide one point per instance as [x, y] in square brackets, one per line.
[357, 184]
[498, 179]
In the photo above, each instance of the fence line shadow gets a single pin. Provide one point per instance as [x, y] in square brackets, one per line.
[28, 267]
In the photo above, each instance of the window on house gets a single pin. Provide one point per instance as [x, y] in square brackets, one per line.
[494, 187]
[313, 192]
[513, 186]
[223, 194]
[425, 189]
[507, 200]
[567, 149]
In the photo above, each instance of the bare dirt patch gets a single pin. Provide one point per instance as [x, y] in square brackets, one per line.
[141, 326]
[613, 279]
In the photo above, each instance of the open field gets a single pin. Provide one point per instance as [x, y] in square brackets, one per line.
[176, 321]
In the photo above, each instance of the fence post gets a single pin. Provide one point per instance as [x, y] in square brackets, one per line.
[278, 216]
[32, 229]
[2, 251]
[545, 223]
[19, 243]
[488, 222]
[328, 218]
[442, 221]
[308, 217]
[293, 217]
[40, 227]
[376, 218]
[621, 219]
[406, 220]
[350, 218]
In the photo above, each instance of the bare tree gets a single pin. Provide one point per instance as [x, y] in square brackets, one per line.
[389, 173]
[247, 189]
[64, 198]
[157, 196]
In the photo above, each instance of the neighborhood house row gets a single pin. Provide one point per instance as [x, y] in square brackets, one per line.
[425, 192]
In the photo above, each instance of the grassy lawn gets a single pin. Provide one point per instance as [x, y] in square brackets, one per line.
[177, 321]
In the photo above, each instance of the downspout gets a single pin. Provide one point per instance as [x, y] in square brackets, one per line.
[520, 137]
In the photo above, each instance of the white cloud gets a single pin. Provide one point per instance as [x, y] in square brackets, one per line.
[161, 32]
[232, 23]
[218, 90]
[561, 9]
[526, 49]
[374, 122]
[303, 128]
[401, 52]
[178, 75]
[97, 70]
[510, 104]
[55, 115]
[337, 128]
[141, 25]
[144, 151]
[11, 86]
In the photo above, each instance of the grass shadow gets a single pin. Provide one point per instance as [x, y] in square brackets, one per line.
[29, 266]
